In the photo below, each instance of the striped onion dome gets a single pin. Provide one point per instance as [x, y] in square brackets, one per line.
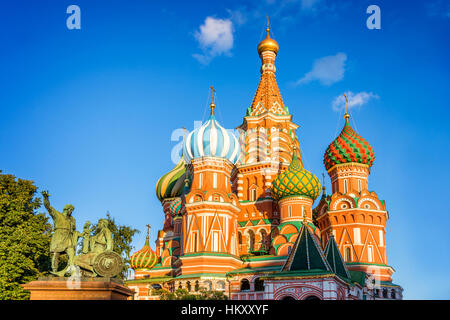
[296, 181]
[172, 183]
[348, 147]
[175, 207]
[144, 258]
[211, 140]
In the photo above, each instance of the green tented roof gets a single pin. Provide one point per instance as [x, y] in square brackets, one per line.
[334, 258]
[306, 254]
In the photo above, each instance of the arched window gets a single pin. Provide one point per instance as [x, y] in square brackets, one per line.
[196, 287]
[393, 294]
[240, 237]
[251, 240]
[245, 285]
[345, 186]
[289, 211]
[208, 285]
[180, 285]
[370, 253]
[259, 284]
[194, 242]
[220, 286]
[188, 286]
[385, 293]
[215, 180]
[200, 180]
[253, 195]
[263, 235]
[348, 254]
[359, 185]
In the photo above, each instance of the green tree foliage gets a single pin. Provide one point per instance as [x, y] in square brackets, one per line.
[183, 294]
[122, 237]
[24, 237]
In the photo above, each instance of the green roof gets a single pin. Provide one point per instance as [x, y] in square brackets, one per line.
[334, 258]
[252, 270]
[358, 277]
[306, 253]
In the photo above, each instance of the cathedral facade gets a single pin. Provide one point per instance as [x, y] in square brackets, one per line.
[239, 215]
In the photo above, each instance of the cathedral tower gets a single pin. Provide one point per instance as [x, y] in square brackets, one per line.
[354, 215]
[267, 137]
[209, 224]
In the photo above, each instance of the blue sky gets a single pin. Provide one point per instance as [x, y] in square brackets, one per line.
[88, 114]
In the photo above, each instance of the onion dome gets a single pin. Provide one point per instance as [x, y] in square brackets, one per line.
[296, 181]
[175, 207]
[144, 258]
[211, 140]
[172, 183]
[268, 44]
[348, 147]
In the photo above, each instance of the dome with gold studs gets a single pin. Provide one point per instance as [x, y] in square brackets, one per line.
[144, 258]
[296, 181]
[268, 44]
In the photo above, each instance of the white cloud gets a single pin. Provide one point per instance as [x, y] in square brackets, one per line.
[309, 4]
[215, 38]
[327, 70]
[354, 100]
[238, 16]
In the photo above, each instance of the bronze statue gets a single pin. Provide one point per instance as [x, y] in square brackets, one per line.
[97, 257]
[65, 236]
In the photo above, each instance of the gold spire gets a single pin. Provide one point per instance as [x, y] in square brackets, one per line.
[148, 232]
[268, 44]
[346, 115]
[212, 105]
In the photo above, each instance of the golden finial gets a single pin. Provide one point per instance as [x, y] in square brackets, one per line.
[346, 116]
[212, 105]
[268, 44]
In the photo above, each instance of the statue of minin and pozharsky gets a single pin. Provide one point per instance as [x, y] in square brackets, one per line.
[97, 257]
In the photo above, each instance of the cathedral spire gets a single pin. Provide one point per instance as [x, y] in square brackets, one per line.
[268, 97]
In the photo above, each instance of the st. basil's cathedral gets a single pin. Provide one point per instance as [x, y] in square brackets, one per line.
[239, 214]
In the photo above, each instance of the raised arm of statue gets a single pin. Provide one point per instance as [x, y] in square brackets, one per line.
[51, 211]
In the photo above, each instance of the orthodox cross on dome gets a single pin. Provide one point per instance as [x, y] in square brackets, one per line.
[323, 183]
[148, 229]
[212, 105]
[268, 24]
[346, 116]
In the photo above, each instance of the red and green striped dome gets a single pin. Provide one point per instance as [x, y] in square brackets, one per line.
[144, 258]
[348, 147]
[175, 207]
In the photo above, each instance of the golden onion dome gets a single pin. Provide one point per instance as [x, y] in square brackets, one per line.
[296, 181]
[144, 258]
[268, 44]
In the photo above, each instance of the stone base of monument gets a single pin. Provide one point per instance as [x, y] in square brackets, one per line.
[60, 288]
